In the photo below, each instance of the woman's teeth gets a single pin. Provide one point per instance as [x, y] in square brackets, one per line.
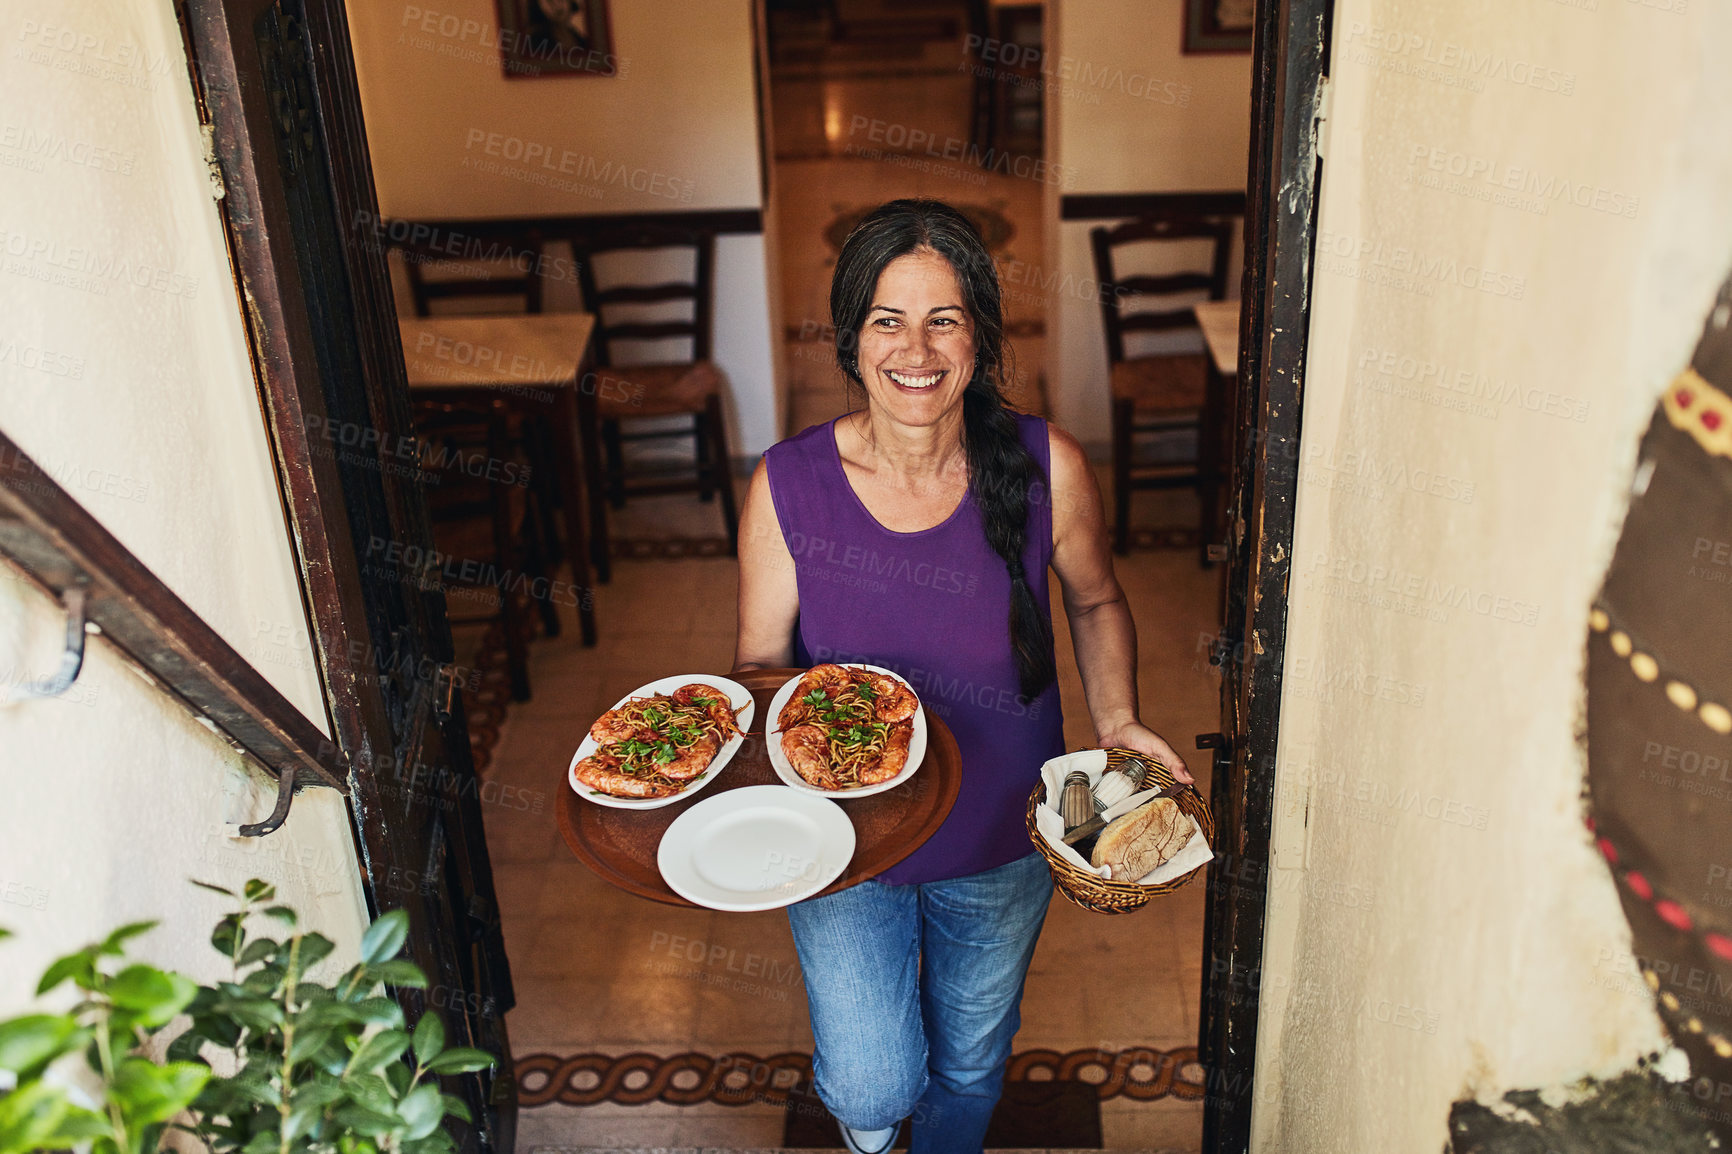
[913, 382]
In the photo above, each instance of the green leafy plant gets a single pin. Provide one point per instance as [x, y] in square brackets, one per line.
[273, 1061]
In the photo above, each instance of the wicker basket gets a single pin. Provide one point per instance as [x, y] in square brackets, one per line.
[1115, 897]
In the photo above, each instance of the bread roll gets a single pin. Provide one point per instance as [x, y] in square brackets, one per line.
[1139, 841]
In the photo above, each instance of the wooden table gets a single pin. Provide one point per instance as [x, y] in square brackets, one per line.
[620, 844]
[531, 361]
[1219, 321]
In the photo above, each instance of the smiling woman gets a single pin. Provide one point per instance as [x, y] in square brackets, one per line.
[914, 979]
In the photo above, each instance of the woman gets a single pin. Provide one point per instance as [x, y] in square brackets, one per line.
[916, 534]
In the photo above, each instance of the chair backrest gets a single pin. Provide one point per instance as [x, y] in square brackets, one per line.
[604, 301]
[1118, 294]
[505, 268]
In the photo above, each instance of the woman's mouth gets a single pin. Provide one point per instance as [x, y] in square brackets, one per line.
[916, 380]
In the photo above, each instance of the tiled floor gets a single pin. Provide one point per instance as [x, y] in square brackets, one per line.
[599, 970]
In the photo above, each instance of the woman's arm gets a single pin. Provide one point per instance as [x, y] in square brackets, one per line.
[769, 594]
[1101, 628]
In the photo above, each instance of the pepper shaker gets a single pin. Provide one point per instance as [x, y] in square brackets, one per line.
[1075, 803]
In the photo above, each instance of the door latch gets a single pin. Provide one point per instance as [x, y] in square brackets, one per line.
[445, 690]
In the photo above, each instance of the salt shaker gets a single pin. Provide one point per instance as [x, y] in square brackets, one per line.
[1075, 805]
[1118, 784]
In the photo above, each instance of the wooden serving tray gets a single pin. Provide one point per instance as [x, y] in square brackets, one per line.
[620, 844]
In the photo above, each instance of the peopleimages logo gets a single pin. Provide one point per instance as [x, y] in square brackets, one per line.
[552, 159]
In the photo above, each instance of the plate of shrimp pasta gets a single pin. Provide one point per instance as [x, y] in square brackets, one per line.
[846, 731]
[662, 742]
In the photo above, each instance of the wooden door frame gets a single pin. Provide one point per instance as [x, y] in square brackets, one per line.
[276, 285]
[1289, 94]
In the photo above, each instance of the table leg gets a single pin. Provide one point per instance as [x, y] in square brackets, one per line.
[565, 431]
[589, 430]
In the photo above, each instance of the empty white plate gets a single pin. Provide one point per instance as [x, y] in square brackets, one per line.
[758, 847]
[785, 769]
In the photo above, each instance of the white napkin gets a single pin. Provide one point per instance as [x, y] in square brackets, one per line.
[1197, 851]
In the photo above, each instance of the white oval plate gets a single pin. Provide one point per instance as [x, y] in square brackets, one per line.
[759, 847]
[739, 699]
[790, 775]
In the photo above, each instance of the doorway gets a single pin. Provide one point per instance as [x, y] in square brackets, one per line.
[689, 1025]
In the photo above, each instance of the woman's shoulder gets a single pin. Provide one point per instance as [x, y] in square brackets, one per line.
[1068, 461]
[809, 444]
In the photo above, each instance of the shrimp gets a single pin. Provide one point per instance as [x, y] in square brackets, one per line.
[613, 727]
[693, 759]
[895, 701]
[894, 758]
[817, 678]
[808, 752]
[713, 701]
[602, 771]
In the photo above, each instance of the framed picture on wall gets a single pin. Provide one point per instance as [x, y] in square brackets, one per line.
[556, 38]
[1219, 25]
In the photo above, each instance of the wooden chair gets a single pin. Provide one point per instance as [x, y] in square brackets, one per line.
[1162, 393]
[470, 279]
[459, 500]
[629, 393]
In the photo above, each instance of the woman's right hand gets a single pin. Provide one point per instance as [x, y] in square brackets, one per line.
[769, 590]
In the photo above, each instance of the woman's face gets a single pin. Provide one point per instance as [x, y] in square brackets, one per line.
[917, 348]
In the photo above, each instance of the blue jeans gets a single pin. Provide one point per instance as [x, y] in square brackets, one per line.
[915, 993]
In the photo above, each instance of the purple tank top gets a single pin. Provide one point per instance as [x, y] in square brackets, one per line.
[935, 607]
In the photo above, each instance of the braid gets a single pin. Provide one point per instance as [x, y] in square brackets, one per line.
[1001, 470]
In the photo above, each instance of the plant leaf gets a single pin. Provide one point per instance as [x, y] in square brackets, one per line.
[422, 1110]
[149, 1093]
[429, 1037]
[80, 967]
[215, 889]
[29, 1043]
[258, 950]
[461, 1060]
[382, 1011]
[227, 937]
[115, 943]
[365, 1122]
[399, 972]
[257, 890]
[385, 1046]
[457, 1107]
[385, 937]
[153, 994]
[315, 948]
[31, 1114]
[284, 914]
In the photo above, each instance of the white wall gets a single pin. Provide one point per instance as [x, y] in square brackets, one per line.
[676, 130]
[124, 371]
[1132, 113]
[1494, 954]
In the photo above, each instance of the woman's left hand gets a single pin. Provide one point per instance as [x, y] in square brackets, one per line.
[1140, 738]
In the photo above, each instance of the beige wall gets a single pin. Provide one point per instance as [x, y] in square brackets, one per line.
[1132, 113]
[1483, 359]
[124, 372]
[676, 130]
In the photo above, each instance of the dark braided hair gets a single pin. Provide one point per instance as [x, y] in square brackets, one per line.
[1000, 468]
